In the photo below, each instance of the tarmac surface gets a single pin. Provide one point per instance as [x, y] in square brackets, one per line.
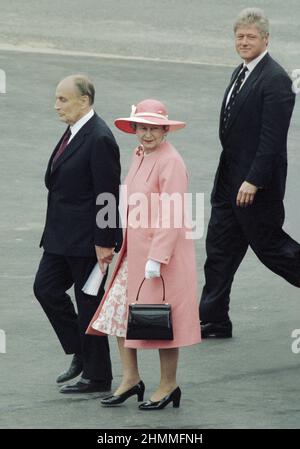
[181, 53]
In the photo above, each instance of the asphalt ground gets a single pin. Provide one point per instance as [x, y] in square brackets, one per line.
[251, 381]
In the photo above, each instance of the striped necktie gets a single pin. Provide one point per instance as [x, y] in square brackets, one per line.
[236, 89]
[62, 146]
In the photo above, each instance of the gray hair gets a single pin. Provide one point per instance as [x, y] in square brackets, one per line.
[253, 16]
[84, 87]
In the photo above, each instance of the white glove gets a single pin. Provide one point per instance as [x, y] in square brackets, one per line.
[152, 269]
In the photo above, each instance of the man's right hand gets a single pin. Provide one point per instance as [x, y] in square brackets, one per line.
[246, 194]
[104, 256]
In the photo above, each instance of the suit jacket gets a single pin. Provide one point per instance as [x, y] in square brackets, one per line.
[255, 140]
[89, 166]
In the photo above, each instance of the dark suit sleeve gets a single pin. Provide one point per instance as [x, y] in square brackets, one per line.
[106, 171]
[277, 108]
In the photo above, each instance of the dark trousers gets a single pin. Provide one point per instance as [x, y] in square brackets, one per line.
[56, 274]
[231, 230]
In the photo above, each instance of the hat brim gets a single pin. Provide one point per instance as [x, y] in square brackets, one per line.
[124, 124]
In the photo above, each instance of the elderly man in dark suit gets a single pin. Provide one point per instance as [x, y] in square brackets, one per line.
[249, 187]
[84, 164]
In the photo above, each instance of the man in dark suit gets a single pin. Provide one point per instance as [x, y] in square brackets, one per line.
[249, 187]
[84, 164]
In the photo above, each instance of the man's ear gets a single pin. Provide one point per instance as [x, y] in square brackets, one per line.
[85, 101]
[267, 39]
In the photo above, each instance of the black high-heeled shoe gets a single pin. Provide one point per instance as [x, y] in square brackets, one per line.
[137, 389]
[174, 397]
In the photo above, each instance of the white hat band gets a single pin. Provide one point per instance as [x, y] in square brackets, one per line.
[149, 114]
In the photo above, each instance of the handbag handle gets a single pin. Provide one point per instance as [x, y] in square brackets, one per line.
[164, 291]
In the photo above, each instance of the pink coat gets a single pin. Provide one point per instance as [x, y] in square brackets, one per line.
[163, 170]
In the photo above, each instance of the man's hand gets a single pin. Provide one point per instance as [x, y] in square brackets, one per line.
[246, 194]
[104, 256]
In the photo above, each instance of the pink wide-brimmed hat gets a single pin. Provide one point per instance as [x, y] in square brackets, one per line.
[149, 112]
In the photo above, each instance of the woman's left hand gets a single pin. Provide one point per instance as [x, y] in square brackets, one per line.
[152, 269]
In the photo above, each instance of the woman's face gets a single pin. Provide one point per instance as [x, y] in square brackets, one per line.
[150, 136]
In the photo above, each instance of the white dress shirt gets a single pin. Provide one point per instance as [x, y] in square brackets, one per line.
[250, 66]
[80, 123]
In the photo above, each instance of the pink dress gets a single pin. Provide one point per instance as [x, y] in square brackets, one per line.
[112, 318]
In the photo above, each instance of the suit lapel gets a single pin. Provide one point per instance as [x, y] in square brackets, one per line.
[73, 146]
[246, 89]
[233, 77]
[48, 171]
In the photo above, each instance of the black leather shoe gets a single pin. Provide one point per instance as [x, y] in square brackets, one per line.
[158, 405]
[222, 329]
[137, 389]
[86, 386]
[74, 370]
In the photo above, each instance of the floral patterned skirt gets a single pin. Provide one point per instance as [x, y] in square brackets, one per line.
[112, 319]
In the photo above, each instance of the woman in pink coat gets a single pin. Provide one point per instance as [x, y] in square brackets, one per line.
[154, 244]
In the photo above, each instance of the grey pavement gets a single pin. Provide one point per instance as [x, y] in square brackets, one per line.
[251, 381]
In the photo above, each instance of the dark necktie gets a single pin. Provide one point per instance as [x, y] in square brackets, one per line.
[62, 146]
[237, 86]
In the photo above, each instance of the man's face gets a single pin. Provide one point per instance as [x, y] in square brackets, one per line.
[249, 43]
[69, 104]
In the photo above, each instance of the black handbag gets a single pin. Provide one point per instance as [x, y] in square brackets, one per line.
[149, 321]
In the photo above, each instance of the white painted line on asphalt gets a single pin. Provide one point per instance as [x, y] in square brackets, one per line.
[54, 51]
[19, 276]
